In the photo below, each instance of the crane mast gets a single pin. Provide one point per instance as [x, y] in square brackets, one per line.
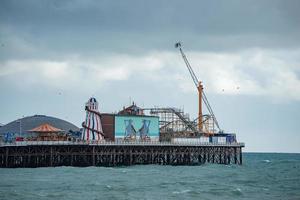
[201, 93]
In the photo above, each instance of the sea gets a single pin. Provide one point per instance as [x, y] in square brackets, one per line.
[262, 176]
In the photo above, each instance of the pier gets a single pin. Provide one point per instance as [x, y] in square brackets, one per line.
[65, 153]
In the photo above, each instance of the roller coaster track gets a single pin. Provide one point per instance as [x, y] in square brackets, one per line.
[188, 123]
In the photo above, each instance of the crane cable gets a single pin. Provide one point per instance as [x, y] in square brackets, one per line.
[197, 82]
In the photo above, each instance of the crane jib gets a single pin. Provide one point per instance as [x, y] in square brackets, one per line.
[197, 84]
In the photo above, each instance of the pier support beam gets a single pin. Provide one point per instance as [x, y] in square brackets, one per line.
[115, 155]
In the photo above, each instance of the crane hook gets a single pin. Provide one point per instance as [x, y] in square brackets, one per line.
[178, 44]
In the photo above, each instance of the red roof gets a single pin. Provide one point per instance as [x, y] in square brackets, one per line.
[45, 128]
[132, 110]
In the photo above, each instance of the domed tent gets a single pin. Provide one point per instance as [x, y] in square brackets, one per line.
[46, 132]
[20, 127]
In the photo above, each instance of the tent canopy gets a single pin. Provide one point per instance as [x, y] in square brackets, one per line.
[45, 128]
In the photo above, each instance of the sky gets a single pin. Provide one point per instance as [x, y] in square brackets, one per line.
[55, 55]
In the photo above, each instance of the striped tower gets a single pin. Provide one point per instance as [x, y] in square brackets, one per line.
[92, 128]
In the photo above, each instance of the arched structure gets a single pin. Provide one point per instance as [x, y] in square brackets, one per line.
[92, 128]
[21, 126]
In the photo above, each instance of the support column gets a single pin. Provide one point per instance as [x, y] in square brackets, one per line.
[51, 156]
[130, 156]
[6, 157]
[241, 156]
[93, 156]
[200, 89]
[235, 155]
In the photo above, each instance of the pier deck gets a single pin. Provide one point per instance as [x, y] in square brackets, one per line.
[63, 153]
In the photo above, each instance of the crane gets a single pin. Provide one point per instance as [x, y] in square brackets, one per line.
[201, 93]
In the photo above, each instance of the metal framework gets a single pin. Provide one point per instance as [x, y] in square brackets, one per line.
[202, 95]
[176, 123]
[173, 120]
[116, 155]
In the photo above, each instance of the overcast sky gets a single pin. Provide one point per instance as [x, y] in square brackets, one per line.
[54, 55]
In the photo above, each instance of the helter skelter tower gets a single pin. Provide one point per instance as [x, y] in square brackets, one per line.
[92, 128]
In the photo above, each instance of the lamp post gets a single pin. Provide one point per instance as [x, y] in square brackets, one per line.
[20, 127]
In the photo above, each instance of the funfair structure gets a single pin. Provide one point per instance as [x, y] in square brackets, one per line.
[164, 136]
[92, 128]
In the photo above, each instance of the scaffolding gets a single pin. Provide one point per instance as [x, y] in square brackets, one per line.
[173, 122]
[208, 125]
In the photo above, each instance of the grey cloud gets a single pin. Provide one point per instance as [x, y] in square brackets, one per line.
[54, 33]
[206, 17]
[137, 26]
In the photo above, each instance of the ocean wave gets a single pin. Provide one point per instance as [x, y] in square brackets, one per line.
[260, 177]
[237, 192]
[181, 191]
[266, 161]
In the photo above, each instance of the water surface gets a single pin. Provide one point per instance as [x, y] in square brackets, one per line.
[262, 176]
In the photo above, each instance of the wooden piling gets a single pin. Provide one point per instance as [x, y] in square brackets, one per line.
[116, 155]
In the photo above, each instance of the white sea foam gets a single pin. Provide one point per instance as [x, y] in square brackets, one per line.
[181, 192]
[267, 161]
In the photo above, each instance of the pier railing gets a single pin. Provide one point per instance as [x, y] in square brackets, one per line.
[121, 143]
